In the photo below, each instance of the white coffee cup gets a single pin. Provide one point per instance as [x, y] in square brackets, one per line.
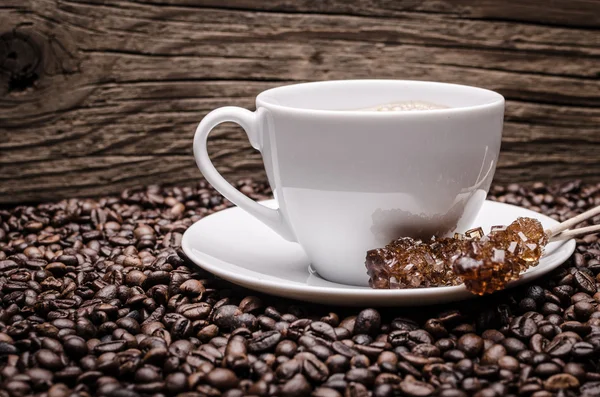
[347, 181]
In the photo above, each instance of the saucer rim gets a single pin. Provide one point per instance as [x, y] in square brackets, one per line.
[451, 293]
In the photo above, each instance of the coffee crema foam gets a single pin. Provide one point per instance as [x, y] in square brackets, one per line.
[403, 107]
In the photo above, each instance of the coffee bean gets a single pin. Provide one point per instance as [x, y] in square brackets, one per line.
[523, 328]
[404, 324]
[222, 379]
[576, 370]
[297, 386]
[325, 392]
[58, 390]
[7, 348]
[585, 282]
[544, 370]
[236, 356]
[110, 347]
[356, 390]
[40, 379]
[264, 341]
[582, 349]
[452, 393]
[360, 361]
[103, 277]
[323, 330]
[445, 344]
[493, 354]
[590, 389]
[343, 349]
[454, 355]
[360, 375]
[470, 344]
[17, 388]
[75, 347]
[414, 388]
[49, 360]
[288, 369]
[538, 343]
[107, 293]
[338, 363]
[315, 370]
[286, 348]
[192, 288]
[559, 347]
[509, 363]
[513, 345]
[584, 309]
[420, 336]
[250, 304]
[368, 321]
[224, 316]
[561, 382]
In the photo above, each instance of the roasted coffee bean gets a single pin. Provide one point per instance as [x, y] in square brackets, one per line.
[322, 330]
[493, 354]
[360, 361]
[584, 309]
[222, 379]
[559, 347]
[367, 322]
[360, 375]
[315, 370]
[49, 360]
[561, 382]
[585, 282]
[286, 348]
[224, 316]
[523, 328]
[97, 298]
[236, 356]
[75, 347]
[582, 349]
[414, 388]
[453, 355]
[325, 392]
[508, 363]
[343, 349]
[338, 363]
[110, 347]
[513, 346]
[470, 344]
[547, 369]
[192, 288]
[297, 386]
[356, 390]
[7, 348]
[41, 379]
[436, 328]
[264, 341]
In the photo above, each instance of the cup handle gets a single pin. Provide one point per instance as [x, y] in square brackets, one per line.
[249, 122]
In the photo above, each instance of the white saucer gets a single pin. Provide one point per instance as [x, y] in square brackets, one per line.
[236, 247]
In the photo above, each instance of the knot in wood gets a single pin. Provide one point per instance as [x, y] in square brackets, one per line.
[19, 55]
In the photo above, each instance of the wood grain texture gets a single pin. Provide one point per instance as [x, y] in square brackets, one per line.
[100, 95]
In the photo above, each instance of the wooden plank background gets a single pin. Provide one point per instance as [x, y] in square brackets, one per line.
[99, 95]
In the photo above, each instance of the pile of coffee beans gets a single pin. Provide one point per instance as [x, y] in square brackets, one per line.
[97, 299]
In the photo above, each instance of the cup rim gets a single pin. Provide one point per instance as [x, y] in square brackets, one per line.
[263, 101]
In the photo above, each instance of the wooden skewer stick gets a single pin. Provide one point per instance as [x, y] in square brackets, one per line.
[567, 234]
[569, 223]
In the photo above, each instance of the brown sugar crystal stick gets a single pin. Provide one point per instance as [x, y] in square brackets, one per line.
[484, 263]
[482, 275]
